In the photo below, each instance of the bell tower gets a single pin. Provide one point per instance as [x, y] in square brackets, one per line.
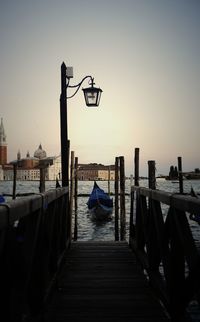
[3, 145]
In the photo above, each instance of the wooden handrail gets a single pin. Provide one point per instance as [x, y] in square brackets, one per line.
[165, 246]
[34, 233]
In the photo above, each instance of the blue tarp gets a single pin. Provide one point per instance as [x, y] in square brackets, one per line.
[2, 199]
[98, 196]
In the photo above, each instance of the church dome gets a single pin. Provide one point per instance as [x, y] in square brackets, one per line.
[40, 153]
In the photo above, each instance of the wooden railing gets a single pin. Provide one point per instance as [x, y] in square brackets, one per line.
[164, 244]
[34, 233]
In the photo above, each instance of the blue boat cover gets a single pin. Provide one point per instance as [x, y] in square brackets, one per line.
[2, 199]
[98, 196]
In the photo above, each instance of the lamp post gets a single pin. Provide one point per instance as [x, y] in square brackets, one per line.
[92, 97]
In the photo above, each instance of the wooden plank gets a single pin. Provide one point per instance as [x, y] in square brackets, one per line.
[101, 281]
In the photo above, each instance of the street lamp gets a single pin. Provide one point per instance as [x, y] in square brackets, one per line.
[92, 98]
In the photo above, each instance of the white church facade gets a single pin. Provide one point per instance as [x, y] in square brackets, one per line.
[28, 168]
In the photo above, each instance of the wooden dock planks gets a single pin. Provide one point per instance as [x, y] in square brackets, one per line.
[102, 281]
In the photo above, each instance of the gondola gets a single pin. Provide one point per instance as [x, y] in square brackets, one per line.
[2, 199]
[100, 205]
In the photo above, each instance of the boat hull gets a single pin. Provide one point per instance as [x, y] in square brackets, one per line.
[101, 212]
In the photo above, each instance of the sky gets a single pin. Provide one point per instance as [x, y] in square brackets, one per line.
[143, 54]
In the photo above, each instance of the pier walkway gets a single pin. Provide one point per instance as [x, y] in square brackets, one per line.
[102, 281]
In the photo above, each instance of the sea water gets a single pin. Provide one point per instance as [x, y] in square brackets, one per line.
[89, 229]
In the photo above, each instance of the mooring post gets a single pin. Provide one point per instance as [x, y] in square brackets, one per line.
[109, 180]
[72, 183]
[136, 161]
[42, 178]
[14, 180]
[136, 182]
[75, 200]
[180, 175]
[122, 200]
[116, 199]
[152, 174]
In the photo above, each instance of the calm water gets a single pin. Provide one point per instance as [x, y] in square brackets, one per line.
[87, 229]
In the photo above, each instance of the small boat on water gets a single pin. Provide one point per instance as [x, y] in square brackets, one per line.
[100, 204]
[2, 199]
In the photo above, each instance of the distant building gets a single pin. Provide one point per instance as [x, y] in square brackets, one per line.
[54, 170]
[23, 174]
[192, 175]
[28, 168]
[173, 173]
[1, 173]
[3, 145]
[94, 171]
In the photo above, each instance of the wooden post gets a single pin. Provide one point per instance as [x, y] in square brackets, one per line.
[63, 128]
[42, 179]
[68, 213]
[75, 200]
[72, 183]
[109, 180]
[122, 200]
[180, 175]
[136, 168]
[14, 180]
[71, 195]
[152, 174]
[116, 199]
[136, 178]
[151, 241]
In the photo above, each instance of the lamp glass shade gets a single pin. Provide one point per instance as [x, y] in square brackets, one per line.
[92, 96]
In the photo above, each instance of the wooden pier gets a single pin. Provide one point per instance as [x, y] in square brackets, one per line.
[102, 281]
[45, 276]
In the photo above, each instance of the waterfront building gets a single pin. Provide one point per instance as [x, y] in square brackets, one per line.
[1, 173]
[23, 174]
[28, 168]
[94, 171]
[54, 170]
[3, 144]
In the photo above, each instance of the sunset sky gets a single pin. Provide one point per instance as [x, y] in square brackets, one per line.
[144, 54]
